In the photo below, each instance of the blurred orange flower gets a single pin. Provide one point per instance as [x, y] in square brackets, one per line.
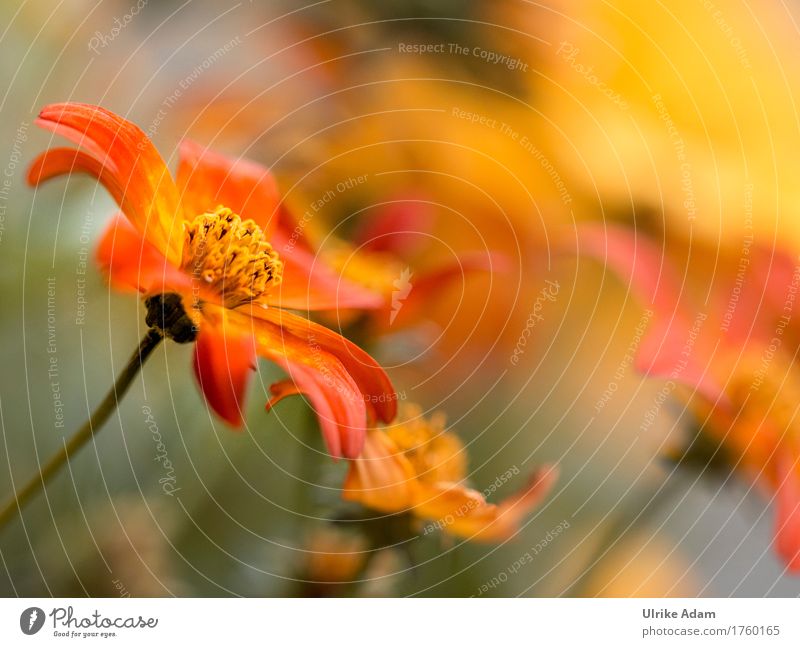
[460, 174]
[737, 359]
[334, 556]
[202, 251]
[417, 466]
[383, 257]
[681, 107]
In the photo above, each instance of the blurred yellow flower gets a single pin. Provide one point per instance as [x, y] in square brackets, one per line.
[687, 108]
[417, 466]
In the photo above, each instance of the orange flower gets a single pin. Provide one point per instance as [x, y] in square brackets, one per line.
[202, 250]
[417, 466]
[386, 258]
[737, 361]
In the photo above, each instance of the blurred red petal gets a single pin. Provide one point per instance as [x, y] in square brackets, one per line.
[396, 227]
[787, 525]
[223, 360]
[311, 340]
[336, 400]
[653, 282]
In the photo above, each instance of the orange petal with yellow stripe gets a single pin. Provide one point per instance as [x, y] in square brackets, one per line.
[125, 161]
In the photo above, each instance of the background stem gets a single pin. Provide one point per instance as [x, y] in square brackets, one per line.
[89, 428]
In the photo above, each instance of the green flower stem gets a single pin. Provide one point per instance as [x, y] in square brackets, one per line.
[86, 432]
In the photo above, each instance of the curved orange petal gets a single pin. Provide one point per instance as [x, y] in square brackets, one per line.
[280, 390]
[336, 400]
[325, 404]
[465, 513]
[125, 161]
[340, 389]
[133, 263]
[382, 478]
[312, 341]
[207, 179]
[65, 161]
[342, 427]
[224, 357]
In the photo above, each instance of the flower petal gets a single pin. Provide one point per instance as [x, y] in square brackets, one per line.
[412, 295]
[132, 263]
[765, 290]
[341, 389]
[382, 478]
[652, 280]
[280, 390]
[351, 435]
[635, 260]
[465, 513]
[395, 227]
[308, 284]
[336, 400]
[223, 360]
[787, 525]
[310, 342]
[65, 161]
[125, 161]
[207, 179]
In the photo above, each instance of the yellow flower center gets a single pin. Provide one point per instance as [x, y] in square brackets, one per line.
[231, 257]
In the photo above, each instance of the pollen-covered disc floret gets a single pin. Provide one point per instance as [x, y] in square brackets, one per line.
[231, 257]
